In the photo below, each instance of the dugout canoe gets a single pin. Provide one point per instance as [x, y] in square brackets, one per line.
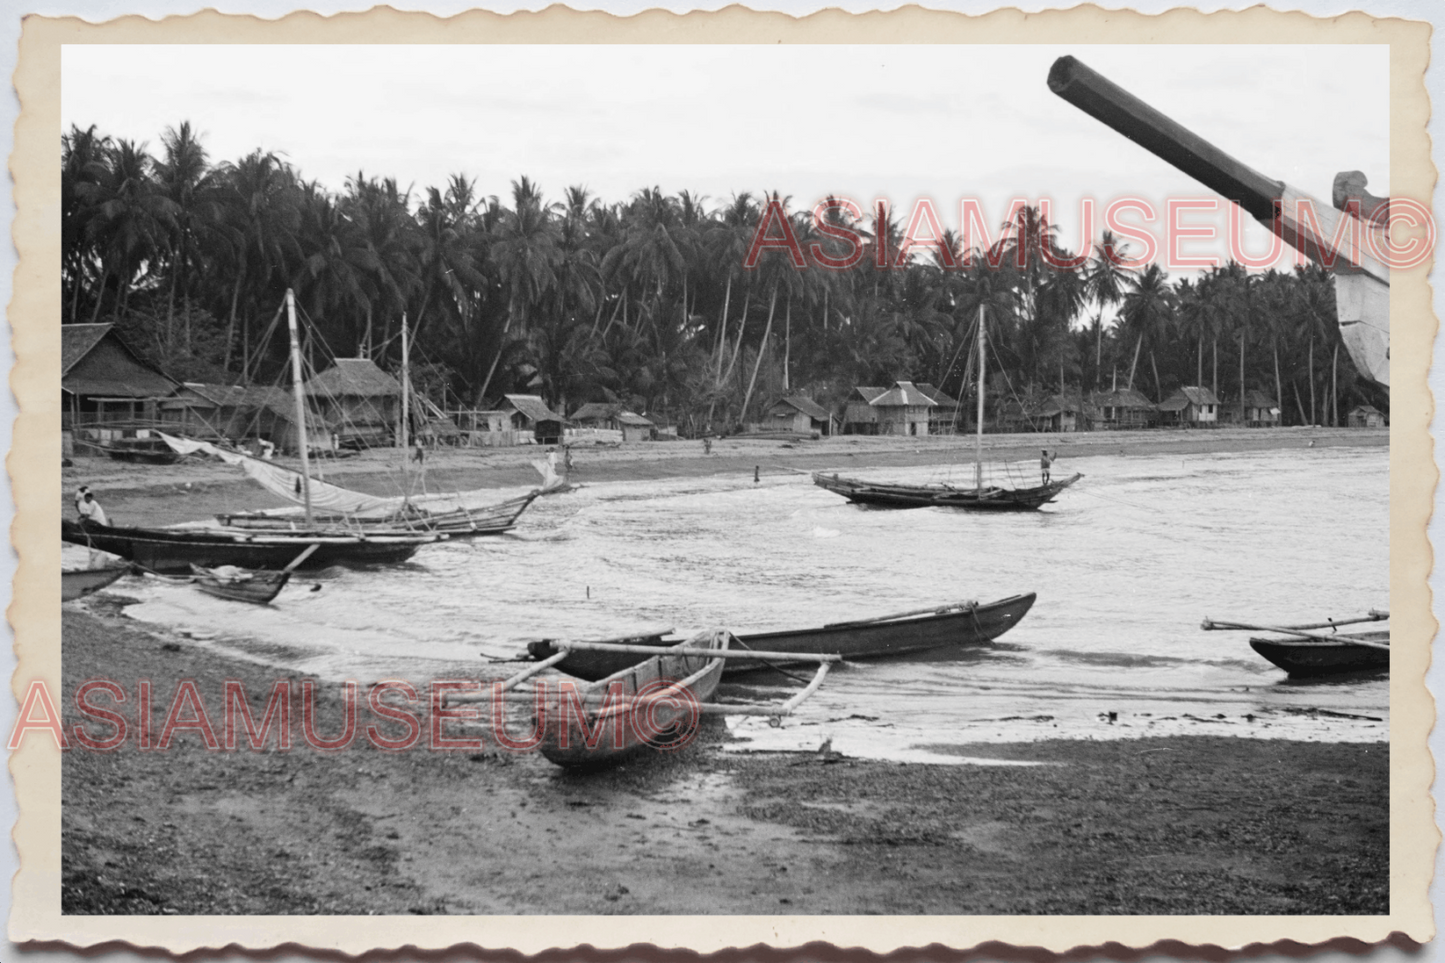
[959, 625]
[654, 704]
[988, 498]
[1347, 652]
[172, 551]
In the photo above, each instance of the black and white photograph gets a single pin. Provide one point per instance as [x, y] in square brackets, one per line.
[738, 479]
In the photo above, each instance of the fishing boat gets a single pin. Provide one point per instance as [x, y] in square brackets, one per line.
[244, 585]
[980, 497]
[239, 584]
[657, 703]
[955, 626]
[1346, 652]
[494, 519]
[653, 703]
[1308, 650]
[79, 582]
[116, 443]
[172, 551]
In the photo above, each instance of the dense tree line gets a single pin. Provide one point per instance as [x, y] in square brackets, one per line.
[648, 301]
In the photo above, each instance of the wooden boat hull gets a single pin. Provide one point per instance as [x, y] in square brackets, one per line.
[1308, 657]
[462, 523]
[174, 551]
[260, 588]
[946, 627]
[993, 499]
[80, 582]
[614, 727]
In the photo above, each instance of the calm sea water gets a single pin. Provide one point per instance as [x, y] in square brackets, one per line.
[1126, 564]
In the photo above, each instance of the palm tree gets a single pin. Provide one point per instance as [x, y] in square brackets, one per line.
[184, 178]
[525, 252]
[83, 168]
[130, 223]
[1148, 315]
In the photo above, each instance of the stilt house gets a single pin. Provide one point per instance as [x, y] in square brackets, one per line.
[899, 410]
[1190, 407]
[530, 413]
[1366, 416]
[103, 381]
[612, 417]
[1127, 408]
[798, 414]
[359, 402]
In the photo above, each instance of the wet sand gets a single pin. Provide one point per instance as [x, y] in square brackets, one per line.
[1179, 825]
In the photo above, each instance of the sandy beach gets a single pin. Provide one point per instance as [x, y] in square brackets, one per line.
[1185, 824]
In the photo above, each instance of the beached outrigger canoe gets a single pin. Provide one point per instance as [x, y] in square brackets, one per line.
[655, 704]
[1309, 650]
[958, 625]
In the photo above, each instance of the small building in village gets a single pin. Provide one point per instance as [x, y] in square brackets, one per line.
[899, 410]
[1259, 410]
[798, 414]
[1122, 409]
[1190, 407]
[603, 416]
[360, 403]
[529, 413]
[483, 428]
[1366, 416]
[103, 381]
[943, 418]
[1061, 412]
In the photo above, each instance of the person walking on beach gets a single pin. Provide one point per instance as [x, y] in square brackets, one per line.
[1046, 461]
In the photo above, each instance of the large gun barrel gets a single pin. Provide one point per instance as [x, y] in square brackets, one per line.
[1106, 101]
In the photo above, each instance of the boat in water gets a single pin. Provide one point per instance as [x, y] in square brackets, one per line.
[79, 582]
[955, 626]
[239, 584]
[1346, 652]
[981, 497]
[172, 551]
[1319, 648]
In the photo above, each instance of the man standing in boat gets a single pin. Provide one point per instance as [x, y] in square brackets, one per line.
[1046, 461]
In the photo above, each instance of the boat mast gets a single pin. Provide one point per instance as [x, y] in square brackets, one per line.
[405, 390]
[978, 438]
[300, 403]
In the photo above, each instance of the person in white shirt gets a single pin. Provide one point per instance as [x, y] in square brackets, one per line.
[89, 508]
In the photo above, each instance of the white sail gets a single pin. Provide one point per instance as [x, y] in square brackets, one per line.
[328, 498]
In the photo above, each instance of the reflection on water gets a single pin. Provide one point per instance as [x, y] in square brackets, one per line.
[1125, 565]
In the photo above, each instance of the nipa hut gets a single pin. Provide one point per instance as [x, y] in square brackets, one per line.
[899, 410]
[103, 381]
[530, 413]
[358, 401]
[603, 416]
[1190, 407]
[1122, 409]
[943, 417]
[798, 414]
[1366, 416]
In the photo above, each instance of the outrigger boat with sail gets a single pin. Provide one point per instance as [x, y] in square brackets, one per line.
[174, 550]
[341, 510]
[980, 498]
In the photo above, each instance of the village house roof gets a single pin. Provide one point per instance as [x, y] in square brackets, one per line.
[1366, 410]
[1184, 397]
[903, 393]
[354, 377]
[597, 411]
[634, 419]
[938, 396]
[1058, 404]
[94, 360]
[1254, 398]
[278, 401]
[1123, 398]
[805, 405]
[533, 408]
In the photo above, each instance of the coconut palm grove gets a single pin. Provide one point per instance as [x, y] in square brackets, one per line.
[648, 301]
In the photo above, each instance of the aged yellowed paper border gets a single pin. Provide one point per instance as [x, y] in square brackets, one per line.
[35, 316]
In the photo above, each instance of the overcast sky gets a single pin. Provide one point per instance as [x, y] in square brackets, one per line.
[867, 122]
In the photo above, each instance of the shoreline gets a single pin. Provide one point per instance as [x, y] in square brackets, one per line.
[195, 489]
[1179, 824]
